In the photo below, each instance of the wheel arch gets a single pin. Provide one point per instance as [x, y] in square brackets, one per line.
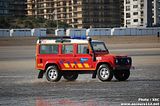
[50, 64]
[42, 72]
[99, 64]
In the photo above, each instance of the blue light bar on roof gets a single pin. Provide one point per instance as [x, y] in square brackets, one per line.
[78, 37]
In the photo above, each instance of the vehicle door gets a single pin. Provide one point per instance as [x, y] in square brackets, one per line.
[83, 59]
[67, 56]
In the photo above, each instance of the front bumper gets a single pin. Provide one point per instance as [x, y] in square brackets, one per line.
[119, 67]
[123, 63]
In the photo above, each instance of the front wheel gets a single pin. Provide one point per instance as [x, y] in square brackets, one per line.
[70, 76]
[104, 73]
[122, 75]
[53, 74]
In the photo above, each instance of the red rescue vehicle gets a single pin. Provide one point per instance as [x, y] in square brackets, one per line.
[57, 57]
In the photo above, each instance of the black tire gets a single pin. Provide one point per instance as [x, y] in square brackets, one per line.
[41, 73]
[53, 74]
[70, 76]
[104, 73]
[122, 75]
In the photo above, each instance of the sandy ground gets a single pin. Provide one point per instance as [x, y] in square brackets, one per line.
[12, 41]
[19, 85]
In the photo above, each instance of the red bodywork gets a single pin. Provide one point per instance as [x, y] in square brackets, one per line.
[79, 62]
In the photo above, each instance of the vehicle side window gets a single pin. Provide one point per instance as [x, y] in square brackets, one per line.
[67, 49]
[83, 49]
[48, 49]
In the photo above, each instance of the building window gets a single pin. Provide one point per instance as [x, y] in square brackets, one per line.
[127, 8]
[141, 20]
[5, 11]
[142, 13]
[128, 15]
[1, 4]
[128, 22]
[142, 6]
[135, 6]
[127, 1]
[135, 13]
[1, 11]
[135, 20]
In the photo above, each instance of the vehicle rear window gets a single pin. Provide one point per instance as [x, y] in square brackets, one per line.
[83, 49]
[48, 49]
[67, 49]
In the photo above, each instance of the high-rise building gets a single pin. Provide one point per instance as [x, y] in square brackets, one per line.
[122, 12]
[15, 8]
[141, 13]
[78, 13]
[40, 8]
[156, 12]
[4, 10]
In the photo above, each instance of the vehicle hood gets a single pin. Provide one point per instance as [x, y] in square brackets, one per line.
[111, 55]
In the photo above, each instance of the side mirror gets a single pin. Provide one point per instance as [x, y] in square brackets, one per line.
[87, 51]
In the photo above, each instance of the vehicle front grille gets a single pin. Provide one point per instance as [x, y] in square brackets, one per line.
[123, 61]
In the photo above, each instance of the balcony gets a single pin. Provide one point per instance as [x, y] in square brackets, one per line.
[48, 1]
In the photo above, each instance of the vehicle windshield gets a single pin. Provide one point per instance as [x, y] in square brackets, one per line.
[99, 47]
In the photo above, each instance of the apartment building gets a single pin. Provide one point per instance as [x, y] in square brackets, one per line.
[40, 8]
[15, 8]
[4, 10]
[156, 12]
[141, 13]
[78, 13]
[122, 12]
[101, 13]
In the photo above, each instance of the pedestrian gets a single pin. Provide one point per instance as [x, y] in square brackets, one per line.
[158, 34]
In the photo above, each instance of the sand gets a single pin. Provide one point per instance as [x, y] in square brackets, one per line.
[13, 41]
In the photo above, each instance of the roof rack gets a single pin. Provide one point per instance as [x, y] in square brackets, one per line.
[54, 37]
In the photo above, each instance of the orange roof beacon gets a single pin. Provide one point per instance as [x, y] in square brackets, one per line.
[63, 56]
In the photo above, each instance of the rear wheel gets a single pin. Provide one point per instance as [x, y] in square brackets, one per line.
[53, 74]
[104, 73]
[70, 76]
[122, 75]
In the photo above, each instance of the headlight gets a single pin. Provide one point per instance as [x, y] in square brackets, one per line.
[116, 61]
[128, 60]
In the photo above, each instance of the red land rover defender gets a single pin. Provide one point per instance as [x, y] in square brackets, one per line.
[57, 57]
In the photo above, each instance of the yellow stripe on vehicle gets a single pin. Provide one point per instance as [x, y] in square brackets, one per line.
[72, 65]
[79, 65]
[86, 65]
[66, 65]
[78, 69]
